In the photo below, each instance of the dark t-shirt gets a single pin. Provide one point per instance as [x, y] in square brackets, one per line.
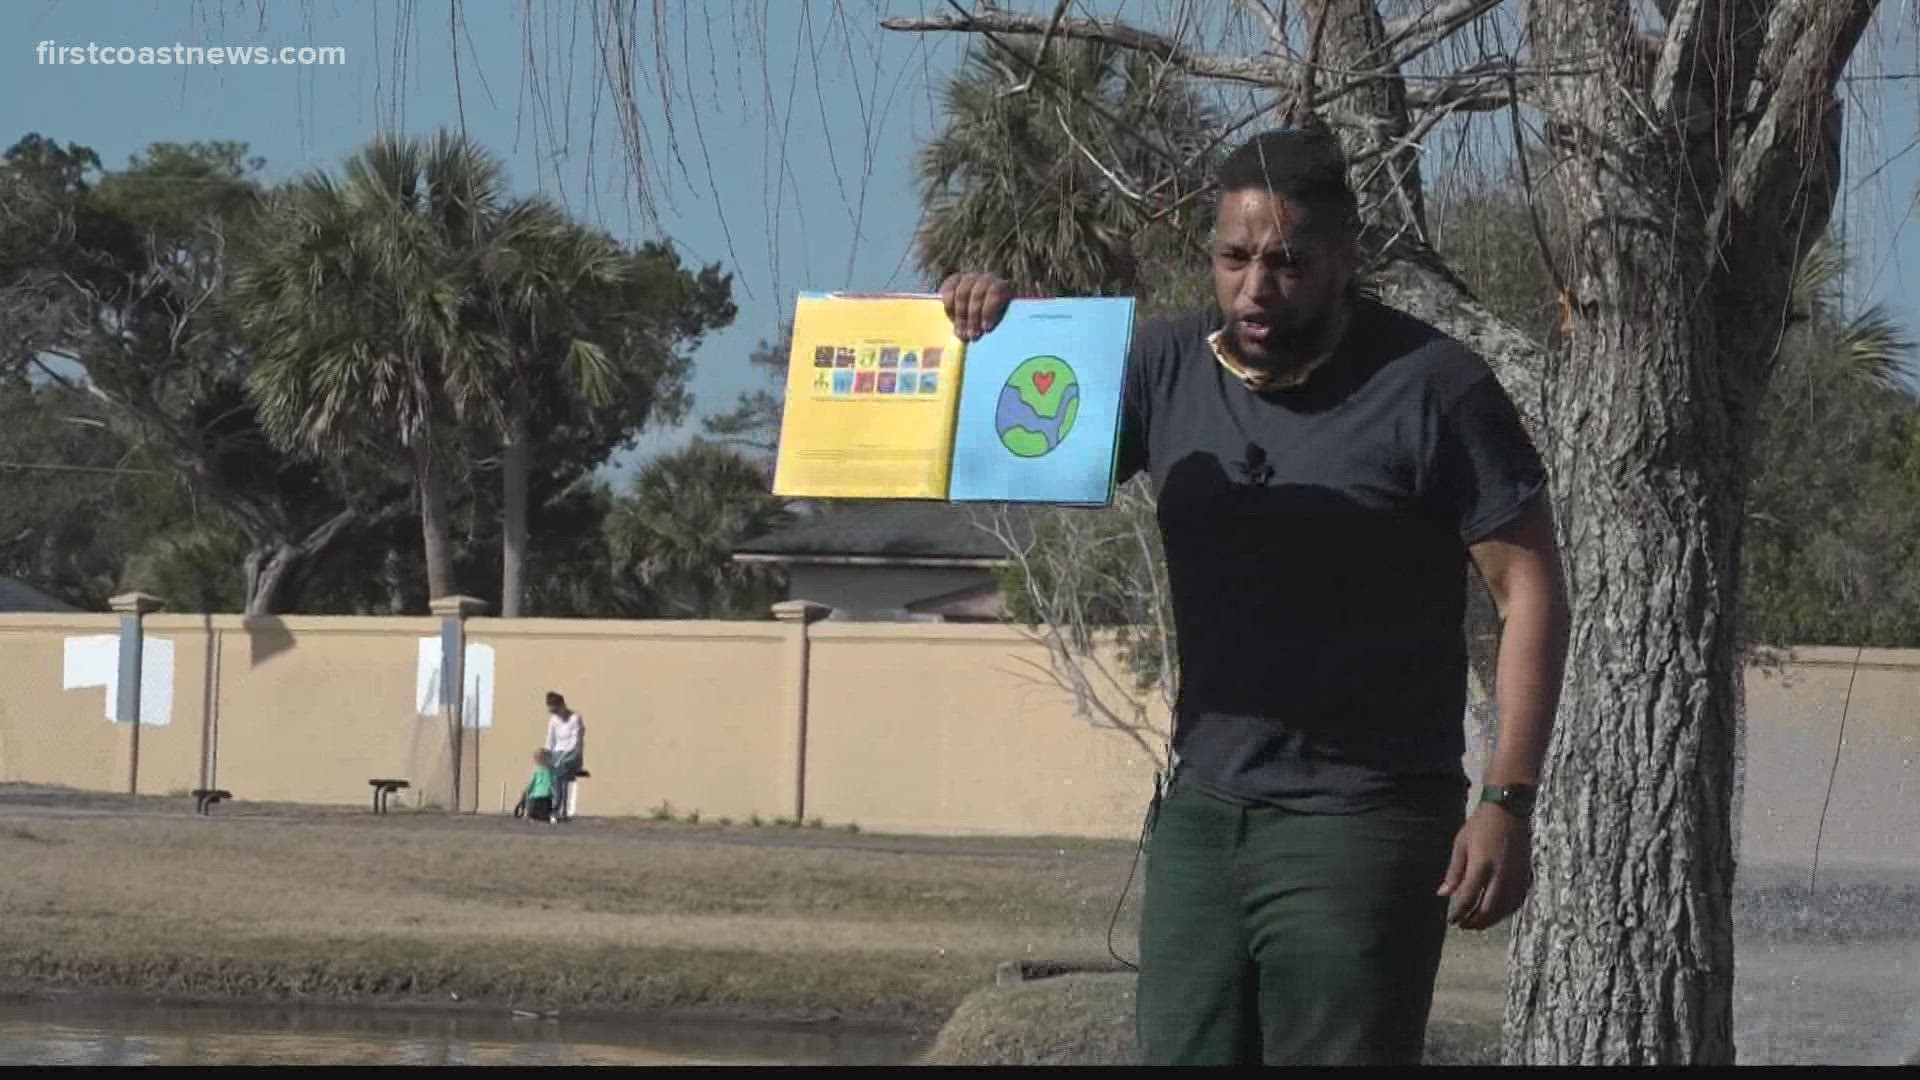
[1316, 544]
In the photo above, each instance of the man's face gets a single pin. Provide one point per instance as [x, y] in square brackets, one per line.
[1277, 276]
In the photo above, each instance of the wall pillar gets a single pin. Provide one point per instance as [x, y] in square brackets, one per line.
[463, 746]
[210, 706]
[799, 616]
[133, 609]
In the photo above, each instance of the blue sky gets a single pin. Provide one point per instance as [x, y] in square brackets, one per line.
[788, 157]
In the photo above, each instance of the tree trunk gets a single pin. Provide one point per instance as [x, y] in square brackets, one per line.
[436, 526]
[516, 463]
[277, 570]
[393, 575]
[1686, 208]
[1623, 954]
[271, 574]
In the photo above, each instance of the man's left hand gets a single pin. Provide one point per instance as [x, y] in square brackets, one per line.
[1490, 871]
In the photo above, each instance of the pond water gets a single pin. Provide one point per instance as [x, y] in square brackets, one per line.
[65, 1032]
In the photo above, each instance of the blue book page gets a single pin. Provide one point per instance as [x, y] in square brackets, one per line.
[1040, 401]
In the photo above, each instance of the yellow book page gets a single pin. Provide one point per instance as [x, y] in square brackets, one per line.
[873, 386]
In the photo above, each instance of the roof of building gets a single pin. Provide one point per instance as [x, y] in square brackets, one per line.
[19, 596]
[892, 532]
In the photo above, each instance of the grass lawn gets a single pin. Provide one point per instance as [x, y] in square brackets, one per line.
[337, 906]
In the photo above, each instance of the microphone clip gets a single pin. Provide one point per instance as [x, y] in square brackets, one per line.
[1254, 469]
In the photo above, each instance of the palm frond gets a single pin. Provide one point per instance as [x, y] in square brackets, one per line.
[1875, 347]
[1817, 280]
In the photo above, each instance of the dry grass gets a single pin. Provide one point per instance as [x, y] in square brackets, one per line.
[283, 903]
[353, 908]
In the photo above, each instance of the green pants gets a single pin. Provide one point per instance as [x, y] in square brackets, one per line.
[1272, 937]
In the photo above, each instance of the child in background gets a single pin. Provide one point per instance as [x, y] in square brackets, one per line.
[538, 798]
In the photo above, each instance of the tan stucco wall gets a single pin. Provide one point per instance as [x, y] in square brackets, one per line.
[909, 727]
[170, 755]
[311, 708]
[47, 734]
[1793, 728]
[686, 713]
[935, 728]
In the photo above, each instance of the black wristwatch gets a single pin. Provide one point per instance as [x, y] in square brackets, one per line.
[1516, 798]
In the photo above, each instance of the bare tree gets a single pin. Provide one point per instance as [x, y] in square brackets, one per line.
[1090, 586]
[1692, 162]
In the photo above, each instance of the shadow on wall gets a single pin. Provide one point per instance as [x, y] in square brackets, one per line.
[267, 637]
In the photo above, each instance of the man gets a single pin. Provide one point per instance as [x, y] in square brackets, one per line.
[1325, 467]
[567, 742]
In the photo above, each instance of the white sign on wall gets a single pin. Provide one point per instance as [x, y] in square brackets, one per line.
[477, 674]
[94, 661]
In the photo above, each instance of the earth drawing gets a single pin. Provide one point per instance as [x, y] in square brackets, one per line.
[1037, 406]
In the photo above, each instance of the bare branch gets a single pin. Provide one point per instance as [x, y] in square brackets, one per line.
[1782, 178]
[1527, 193]
[1427, 28]
[1095, 599]
[1274, 20]
[1046, 42]
[1164, 49]
[1807, 46]
[1307, 96]
[1128, 191]
[1484, 93]
[1704, 63]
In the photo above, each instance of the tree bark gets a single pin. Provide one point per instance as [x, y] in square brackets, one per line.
[516, 464]
[436, 530]
[276, 571]
[273, 577]
[393, 575]
[1683, 224]
[1623, 954]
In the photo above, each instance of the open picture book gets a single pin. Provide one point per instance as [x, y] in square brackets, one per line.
[884, 402]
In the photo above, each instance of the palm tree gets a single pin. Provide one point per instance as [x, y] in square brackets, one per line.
[1869, 345]
[1827, 520]
[1042, 186]
[555, 290]
[193, 567]
[673, 534]
[363, 302]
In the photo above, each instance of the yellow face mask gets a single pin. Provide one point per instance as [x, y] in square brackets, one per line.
[1258, 381]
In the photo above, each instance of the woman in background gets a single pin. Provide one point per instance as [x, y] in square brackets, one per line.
[567, 742]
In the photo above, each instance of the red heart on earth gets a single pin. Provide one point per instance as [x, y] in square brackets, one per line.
[1043, 381]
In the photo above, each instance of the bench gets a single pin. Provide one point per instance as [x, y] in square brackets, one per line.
[383, 788]
[565, 810]
[204, 799]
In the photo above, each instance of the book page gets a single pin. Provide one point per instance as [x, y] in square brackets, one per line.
[1039, 417]
[872, 385]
